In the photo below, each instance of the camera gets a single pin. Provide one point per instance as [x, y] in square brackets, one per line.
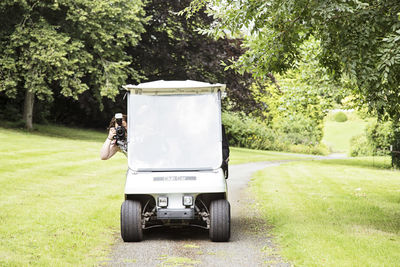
[120, 135]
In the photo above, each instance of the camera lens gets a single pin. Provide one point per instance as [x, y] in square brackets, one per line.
[120, 131]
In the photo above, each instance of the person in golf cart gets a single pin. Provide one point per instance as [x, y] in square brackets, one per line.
[110, 148]
[225, 152]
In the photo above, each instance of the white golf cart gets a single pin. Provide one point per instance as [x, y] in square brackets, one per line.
[174, 158]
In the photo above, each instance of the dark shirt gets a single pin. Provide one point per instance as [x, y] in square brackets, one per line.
[225, 146]
[225, 153]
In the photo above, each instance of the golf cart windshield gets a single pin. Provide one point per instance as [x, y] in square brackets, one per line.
[174, 132]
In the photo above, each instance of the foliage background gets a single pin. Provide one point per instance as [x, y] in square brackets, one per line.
[64, 48]
[98, 55]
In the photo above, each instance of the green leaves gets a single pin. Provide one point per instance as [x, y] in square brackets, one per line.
[359, 41]
[71, 45]
[114, 73]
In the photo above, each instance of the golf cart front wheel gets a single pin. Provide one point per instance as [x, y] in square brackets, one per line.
[131, 221]
[220, 220]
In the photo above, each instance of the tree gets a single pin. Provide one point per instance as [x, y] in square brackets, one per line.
[360, 41]
[173, 49]
[297, 107]
[66, 46]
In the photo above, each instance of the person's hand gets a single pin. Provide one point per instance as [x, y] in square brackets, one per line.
[112, 133]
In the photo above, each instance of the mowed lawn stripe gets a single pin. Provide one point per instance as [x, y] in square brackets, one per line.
[59, 201]
[329, 214]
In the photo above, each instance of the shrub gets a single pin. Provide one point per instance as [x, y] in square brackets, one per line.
[320, 149]
[340, 117]
[295, 134]
[244, 131]
[297, 129]
[380, 137]
[359, 146]
[375, 141]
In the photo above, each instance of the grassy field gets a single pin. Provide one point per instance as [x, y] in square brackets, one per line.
[333, 212]
[337, 135]
[59, 202]
[244, 155]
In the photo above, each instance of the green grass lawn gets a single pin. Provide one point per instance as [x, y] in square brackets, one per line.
[59, 202]
[337, 135]
[333, 212]
[244, 155]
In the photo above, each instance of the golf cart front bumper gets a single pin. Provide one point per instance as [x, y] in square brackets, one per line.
[172, 214]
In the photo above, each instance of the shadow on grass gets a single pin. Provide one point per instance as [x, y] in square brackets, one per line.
[371, 219]
[57, 131]
[361, 210]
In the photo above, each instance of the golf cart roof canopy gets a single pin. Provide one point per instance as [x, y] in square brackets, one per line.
[162, 87]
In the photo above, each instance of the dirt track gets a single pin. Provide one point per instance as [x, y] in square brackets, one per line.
[250, 243]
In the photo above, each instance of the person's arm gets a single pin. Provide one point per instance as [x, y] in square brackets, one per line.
[109, 147]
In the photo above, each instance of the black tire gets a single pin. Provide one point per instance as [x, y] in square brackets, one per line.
[220, 220]
[131, 221]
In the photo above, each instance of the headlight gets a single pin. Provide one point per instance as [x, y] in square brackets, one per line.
[187, 200]
[162, 202]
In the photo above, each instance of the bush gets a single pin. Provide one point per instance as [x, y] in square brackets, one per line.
[297, 129]
[380, 137]
[375, 141]
[359, 146]
[247, 132]
[320, 149]
[340, 117]
[295, 134]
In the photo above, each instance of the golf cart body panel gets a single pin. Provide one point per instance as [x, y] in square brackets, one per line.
[174, 158]
[175, 182]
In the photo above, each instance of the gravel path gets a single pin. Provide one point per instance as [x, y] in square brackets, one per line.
[250, 243]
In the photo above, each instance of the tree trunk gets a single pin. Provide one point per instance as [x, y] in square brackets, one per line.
[396, 146]
[28, 109]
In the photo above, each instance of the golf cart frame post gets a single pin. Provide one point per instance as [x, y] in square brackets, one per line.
[174, 158]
